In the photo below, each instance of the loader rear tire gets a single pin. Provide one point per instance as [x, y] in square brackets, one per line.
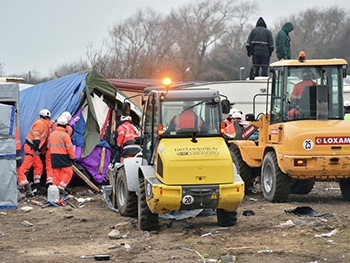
[226, 218]
[243, 169]
[126, 200]
[147, 220]
[275, 184]
[301, 187]
[345, 188]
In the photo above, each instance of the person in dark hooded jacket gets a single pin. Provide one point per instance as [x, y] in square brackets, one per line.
[260, 46]
[283, 41]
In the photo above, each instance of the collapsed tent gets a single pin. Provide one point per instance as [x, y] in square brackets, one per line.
[89, 96]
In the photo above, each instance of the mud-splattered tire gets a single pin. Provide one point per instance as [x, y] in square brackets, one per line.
[345, 188]
[301, 187]
[147, 220]
[243, 169]
[226, 218]
[126, 200]
[275, 184]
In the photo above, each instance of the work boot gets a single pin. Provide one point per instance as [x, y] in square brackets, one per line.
[28, 190]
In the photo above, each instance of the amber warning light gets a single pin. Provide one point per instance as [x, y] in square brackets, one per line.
[167, 82]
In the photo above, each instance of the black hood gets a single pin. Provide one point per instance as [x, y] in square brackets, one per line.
[261, 22]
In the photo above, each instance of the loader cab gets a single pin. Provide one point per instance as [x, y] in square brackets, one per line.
[307, 90]
[162, 111]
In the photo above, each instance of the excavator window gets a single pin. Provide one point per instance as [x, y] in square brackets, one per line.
[311, 92]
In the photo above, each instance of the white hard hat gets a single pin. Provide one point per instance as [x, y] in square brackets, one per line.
[67, 115]
[233, 110]
[62, 120]
[45, 113]
[237, 115]
[347, 103]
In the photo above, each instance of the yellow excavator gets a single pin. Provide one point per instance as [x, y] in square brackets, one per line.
[302, 136]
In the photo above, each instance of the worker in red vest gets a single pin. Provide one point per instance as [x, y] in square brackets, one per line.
[126, 136]
[187, 119]
[62, 155]
[230, 129]
[69, 129]
[35, 144]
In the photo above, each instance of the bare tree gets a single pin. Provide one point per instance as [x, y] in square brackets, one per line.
[197, 27]
[139, 44]
[100, 60]
[67, 69]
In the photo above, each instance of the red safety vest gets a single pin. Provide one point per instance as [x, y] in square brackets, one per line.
[230, 129]
[61, 148]
[69, 128]
[299, 88]
[18, 147]
[40, 130]
[187, 119]
[126, 132]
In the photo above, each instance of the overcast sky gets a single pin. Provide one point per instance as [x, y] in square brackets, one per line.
[40, 35]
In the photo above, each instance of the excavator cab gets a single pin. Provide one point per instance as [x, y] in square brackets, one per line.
[307, 92]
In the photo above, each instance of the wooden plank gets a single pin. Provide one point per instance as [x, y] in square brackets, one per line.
[102, 160]
[85, 179]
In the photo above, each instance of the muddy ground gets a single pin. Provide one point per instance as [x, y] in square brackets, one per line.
[67, 234]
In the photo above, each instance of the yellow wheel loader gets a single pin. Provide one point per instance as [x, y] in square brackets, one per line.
[303, 136]
[181, 167]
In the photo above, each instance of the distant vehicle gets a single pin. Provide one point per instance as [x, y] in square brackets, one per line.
[249, 96]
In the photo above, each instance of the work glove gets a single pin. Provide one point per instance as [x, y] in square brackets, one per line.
[72, 161]
[36, 144]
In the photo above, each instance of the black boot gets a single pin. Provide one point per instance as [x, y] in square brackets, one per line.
[28, 190]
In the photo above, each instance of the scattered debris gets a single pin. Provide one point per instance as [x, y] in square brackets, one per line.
[209, 234]
[50, 202]
[98, 257]
[114, 234]
[26, 208]
[333, 232]
[306, 211]
[127, 246]
[27, 224]
[35, 202]
[288, 223]
[68, 216]
[253, 199]
[84, 200]
[265, 251]
[248, 213]
[3, 213]
[228, 259]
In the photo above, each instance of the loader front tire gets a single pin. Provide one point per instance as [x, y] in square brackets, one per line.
[345, 188]
[226, 218]
[275, 184]
[301, 187]
[126, 200]
[147, 220]
[243, 169]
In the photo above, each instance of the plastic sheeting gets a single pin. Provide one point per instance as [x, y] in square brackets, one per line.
[8, 174]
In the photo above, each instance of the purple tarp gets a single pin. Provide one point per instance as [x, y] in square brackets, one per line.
[92, 162]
